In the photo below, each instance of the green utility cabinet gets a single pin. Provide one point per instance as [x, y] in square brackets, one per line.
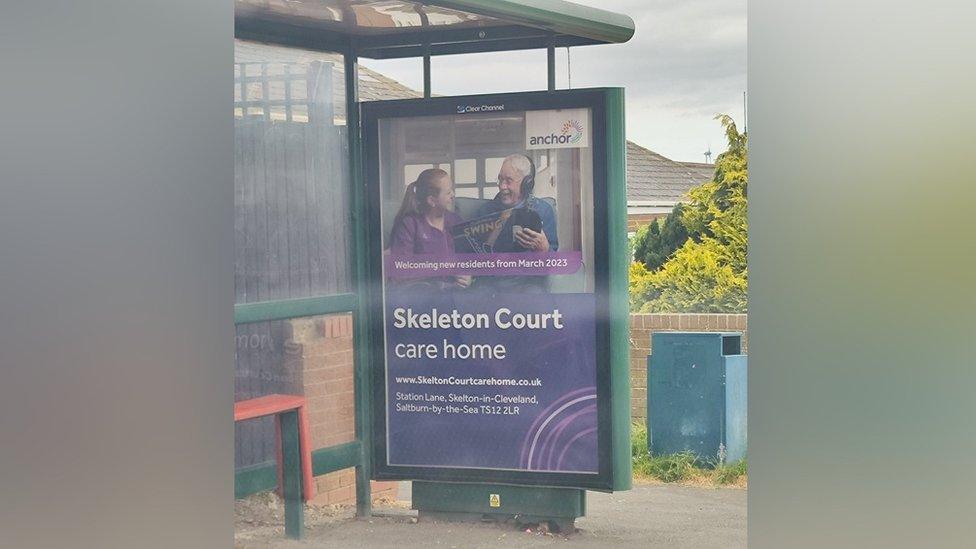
[696, 394]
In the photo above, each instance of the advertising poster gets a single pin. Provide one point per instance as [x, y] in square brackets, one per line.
[489, 291]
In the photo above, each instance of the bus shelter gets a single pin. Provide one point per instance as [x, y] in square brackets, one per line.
[306, 251]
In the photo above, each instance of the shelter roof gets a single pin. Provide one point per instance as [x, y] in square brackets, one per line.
[383, 29]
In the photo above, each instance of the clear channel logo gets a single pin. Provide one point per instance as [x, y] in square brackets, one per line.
[465, 109]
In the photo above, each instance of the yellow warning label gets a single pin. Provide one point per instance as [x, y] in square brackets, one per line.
[494, 500]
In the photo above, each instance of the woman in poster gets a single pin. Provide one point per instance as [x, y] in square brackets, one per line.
[423, 224]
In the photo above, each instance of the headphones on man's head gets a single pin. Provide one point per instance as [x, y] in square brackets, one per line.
[528, 182]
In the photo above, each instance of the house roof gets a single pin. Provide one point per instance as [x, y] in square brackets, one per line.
[700, 168]
[655, 178]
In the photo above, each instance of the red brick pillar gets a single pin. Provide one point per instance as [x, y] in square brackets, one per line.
[321, 348]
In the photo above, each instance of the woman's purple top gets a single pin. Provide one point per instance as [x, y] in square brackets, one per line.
[413, 235]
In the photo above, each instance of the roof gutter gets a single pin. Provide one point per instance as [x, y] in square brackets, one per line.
[653, 203]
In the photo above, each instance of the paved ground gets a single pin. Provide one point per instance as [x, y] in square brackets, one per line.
[650, 515]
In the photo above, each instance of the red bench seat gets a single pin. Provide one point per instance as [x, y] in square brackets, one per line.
[274, 405]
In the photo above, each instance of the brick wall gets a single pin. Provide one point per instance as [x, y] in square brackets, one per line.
[642, 325]
[636, 221]
[320, 351]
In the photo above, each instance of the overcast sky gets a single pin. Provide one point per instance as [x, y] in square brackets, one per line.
[685, 63]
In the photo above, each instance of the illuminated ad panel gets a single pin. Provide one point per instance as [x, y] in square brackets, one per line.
[490, 302]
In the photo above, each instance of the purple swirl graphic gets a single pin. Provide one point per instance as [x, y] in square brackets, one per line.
[549, 455]
[543, 415]
[562, 455]
[567, 429]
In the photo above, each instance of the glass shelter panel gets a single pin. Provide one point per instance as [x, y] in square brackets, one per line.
[292, 225]
[261, 369]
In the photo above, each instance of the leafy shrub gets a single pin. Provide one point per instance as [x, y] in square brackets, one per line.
[695, 280]
[641, 288]
[656, 242]
[707, 273]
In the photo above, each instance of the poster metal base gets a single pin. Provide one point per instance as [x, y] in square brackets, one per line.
[467, 502]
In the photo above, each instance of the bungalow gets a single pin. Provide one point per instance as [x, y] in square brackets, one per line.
[655, 184]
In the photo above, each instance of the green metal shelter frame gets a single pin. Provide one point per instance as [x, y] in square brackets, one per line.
[415, 29]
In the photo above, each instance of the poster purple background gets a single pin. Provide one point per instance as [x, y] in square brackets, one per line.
[556, 432]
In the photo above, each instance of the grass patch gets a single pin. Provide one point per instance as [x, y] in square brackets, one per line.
[670, 468]
[729, 473]
[682, 467]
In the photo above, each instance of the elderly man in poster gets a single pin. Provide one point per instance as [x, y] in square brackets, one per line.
[516, 180]
[531, 227]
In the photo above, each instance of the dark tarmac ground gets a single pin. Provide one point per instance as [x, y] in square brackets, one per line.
[650, 515]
